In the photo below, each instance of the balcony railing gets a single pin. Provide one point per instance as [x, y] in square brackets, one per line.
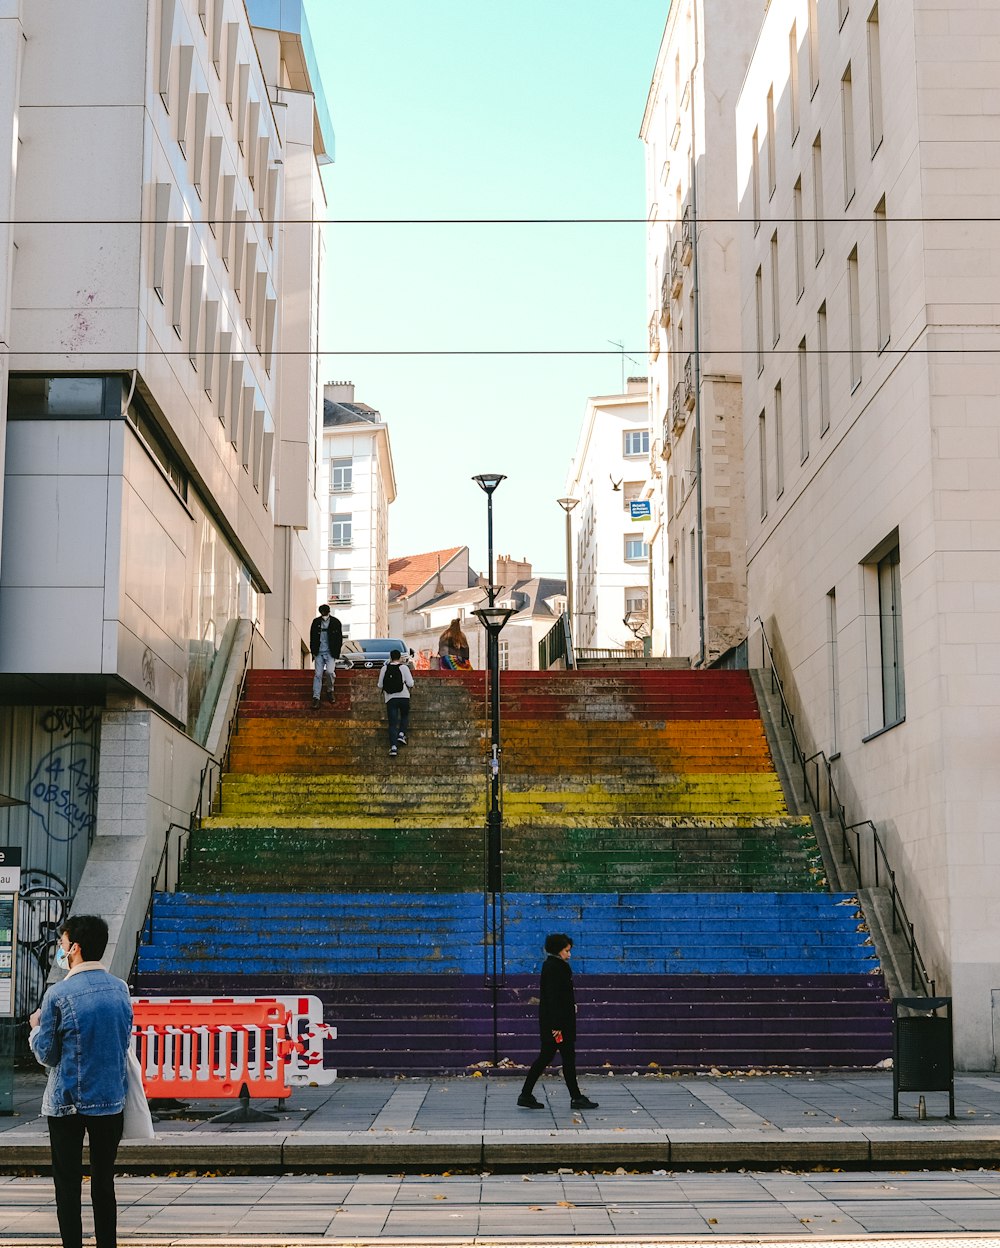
[676, 270]
[678, 411]
[665, 301]
[654, 337]
[689, 395]
[687, 235]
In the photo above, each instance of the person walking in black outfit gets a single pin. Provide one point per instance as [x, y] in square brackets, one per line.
[557, 1024]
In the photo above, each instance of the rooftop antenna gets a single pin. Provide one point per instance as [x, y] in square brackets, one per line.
[621, 348]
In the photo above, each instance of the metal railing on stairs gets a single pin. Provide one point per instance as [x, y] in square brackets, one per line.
[812, 768]
[210, 782]
[557, 644]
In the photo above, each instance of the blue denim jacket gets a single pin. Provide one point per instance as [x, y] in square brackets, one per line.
[82, 1037]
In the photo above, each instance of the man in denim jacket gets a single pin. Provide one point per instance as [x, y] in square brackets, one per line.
[81, 1034]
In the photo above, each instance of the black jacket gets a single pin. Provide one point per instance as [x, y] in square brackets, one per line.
[557, 1001]
[336, 638]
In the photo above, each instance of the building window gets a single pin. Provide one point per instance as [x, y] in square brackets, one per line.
[636, 549]
[340, 593]
[759, 296]
[854, 318]
[800, 262]
[874, 80]
[803, 402]
[847, 118]
[635, 599]
[818, 207]
[793, 80]
[779, 445]
[762, 452]
[341, 476]
[693, 567]
[340, 530]
[813, 47]
[891, 638]
[883, 618]
[882, 275]
[503, 653]
[636, 441]
[631, 492]
[834, 672]
[34, 397]
[775, 291]
[772, 173]
[755, 179]
[824, 370]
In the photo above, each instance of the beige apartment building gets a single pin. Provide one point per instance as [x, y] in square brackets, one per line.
[160, 411]
[869, 184]
[697, 539]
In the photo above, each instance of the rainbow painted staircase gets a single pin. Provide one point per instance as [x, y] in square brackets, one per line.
[642, 814]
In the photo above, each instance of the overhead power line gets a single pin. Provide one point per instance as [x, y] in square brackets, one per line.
[669, 221]
[680, 353]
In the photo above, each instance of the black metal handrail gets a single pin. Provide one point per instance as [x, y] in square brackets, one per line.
[920, 978]
[212, 774]
[557, 644]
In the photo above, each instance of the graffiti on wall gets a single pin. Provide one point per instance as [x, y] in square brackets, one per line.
[62, 790]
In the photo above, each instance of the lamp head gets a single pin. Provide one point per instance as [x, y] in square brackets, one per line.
[493, 619]
[567, 504]
[635, 622]
[488, 481]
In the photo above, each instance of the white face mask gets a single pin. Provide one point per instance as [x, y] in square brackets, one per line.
[62, 958]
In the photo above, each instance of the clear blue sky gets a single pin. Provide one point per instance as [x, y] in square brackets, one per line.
[452, 108]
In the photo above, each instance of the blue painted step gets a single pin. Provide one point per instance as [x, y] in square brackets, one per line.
[650, 934]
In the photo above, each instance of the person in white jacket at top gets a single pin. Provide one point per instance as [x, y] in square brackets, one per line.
[396, 680]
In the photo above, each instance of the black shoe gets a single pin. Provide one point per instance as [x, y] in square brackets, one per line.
[329, 695]
[583, 1102]
[527, 1101]
[315, 704]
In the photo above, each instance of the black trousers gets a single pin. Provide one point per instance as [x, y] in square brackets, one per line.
[567, 1050]
[104, 1133]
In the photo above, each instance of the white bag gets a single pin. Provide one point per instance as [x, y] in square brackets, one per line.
[138, 1120]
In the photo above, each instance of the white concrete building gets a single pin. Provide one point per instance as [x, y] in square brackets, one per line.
[359, 484]
[688, 129]
[159, 445]
[869, 178]
[611, 550]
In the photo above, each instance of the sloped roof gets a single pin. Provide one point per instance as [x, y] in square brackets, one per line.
[537, 590]
[348, 414]
[533, 593]
[409, 572]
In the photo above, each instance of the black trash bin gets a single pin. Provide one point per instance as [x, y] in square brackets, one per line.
[922, 1053]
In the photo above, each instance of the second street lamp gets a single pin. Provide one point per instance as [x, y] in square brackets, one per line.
[567, 504]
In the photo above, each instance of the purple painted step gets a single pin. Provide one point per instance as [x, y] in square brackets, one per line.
[431, 1024]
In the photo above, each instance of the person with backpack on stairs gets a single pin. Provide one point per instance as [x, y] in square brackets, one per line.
[396, 680]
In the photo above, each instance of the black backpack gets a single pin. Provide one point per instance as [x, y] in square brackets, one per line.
[392, 678]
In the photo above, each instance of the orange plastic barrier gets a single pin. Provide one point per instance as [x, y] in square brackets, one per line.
[193, 1049]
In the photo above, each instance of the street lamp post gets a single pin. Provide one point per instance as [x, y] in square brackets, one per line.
[493, 620]
[567, 504]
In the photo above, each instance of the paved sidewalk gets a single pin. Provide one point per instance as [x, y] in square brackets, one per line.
[646, 1122]
[300, 1210]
